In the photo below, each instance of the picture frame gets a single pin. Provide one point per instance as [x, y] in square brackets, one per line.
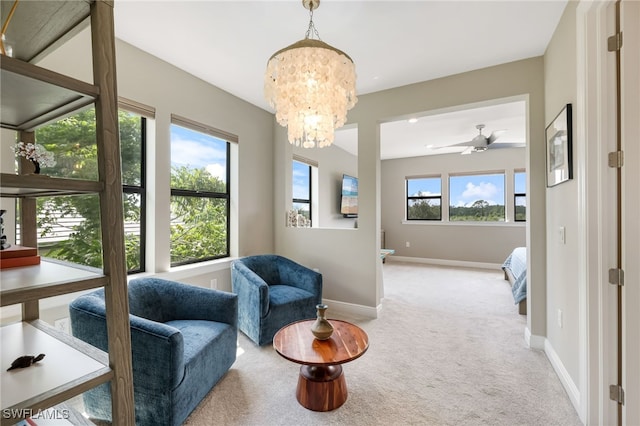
[559, 148]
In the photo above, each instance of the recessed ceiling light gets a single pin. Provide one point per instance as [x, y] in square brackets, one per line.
[413, 120]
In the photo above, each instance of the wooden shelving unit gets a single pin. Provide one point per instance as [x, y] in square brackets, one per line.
[32, 96]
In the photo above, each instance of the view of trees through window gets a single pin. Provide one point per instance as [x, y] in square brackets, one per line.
[477, 198]
[520, 196]
[69, 227]
[424, 198]
[199, 196]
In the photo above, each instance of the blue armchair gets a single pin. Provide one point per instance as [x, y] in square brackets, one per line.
[273, 291]
[183, 340]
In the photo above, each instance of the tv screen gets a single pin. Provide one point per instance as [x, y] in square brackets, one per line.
[349, 201]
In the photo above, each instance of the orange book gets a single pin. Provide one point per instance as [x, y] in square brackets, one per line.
[18, 251]
[19, 261]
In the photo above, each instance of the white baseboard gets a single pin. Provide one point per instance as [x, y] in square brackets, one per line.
[568, 384]
[533, 341]
[540, 342]
[353, 309]
[444, 262]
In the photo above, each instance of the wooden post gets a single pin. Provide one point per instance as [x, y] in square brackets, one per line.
[111, 211]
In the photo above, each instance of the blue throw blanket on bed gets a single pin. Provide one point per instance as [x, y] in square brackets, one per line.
[516, 263]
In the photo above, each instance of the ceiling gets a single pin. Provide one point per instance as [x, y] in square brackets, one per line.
[392, 43]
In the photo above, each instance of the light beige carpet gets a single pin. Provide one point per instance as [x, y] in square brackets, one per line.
[447, 349]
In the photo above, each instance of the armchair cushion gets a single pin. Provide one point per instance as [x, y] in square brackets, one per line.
[273, 291]
[183, 340]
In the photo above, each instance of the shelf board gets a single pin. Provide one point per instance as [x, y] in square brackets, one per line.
[23, 186]
[50, 278]
[69, 368]
[38, 27]
[33, 96]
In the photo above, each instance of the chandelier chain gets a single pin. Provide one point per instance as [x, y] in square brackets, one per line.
[311, 31]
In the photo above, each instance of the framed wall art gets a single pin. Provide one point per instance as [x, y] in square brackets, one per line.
[559, 149]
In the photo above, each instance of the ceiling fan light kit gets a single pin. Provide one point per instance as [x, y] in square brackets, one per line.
[311, 85]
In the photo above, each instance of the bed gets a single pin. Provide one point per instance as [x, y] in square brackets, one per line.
[515, 271]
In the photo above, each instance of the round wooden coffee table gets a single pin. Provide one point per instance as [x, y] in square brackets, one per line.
[321, 383]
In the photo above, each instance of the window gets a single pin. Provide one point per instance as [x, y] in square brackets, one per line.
[69, 227]
[477, 198]
[302, 189]
[133, 155]
[424, 198]
[200, 195]
[520, 196]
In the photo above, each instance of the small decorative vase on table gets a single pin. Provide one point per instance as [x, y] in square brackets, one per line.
[321, 328]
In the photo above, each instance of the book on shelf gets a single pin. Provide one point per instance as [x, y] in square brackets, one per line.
[14, 251]
[19, 261]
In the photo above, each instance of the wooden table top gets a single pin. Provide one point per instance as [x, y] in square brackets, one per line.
[296, 343]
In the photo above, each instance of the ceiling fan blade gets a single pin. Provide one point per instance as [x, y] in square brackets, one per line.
[500, 145]
[469, 144]
[469, 150]
[495, 135]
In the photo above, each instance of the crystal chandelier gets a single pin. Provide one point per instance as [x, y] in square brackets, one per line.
[311, 85]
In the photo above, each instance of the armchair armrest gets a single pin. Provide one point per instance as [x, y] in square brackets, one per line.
[157, 349]
[250, 287]
[157, 354]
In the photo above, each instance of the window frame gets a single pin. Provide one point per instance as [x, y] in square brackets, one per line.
[141, 190]
[180, 192]
[477, 174]
[409, 198]
[310, 165]
[141, 112]
[518, 194]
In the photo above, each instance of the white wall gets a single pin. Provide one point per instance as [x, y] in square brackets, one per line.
[332, 162]
[345, 256]
[356, 251]
[562, 203]
[442, 240]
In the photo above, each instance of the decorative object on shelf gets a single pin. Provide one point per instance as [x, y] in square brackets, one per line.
[25, 361]
[297, 220]
[322, 328]
[35, 153]
[311, 85]
[15, 256]
[3, 238]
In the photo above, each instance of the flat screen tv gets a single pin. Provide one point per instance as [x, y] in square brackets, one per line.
[349, 199]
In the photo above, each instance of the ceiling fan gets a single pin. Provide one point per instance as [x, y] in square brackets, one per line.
[482, 143]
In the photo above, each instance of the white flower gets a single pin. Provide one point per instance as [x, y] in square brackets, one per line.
[35, 152]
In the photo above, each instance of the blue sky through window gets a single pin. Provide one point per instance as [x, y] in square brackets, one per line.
[520, 181]
[301, 180]
[198, 150]
[424, 186]
[465, 190]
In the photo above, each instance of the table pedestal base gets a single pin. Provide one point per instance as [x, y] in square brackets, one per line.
[321, 388]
